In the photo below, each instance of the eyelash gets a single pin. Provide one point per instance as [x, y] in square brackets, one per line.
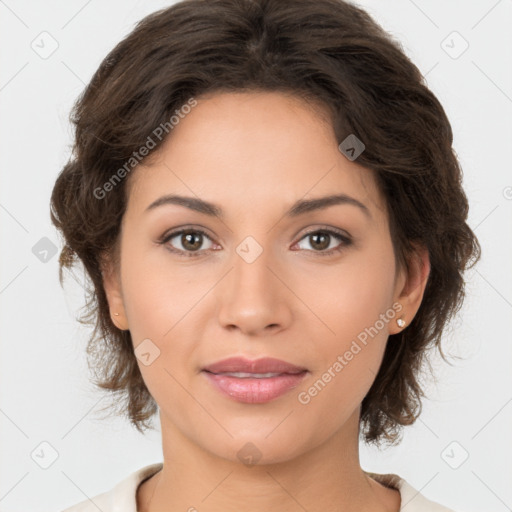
[346, 241]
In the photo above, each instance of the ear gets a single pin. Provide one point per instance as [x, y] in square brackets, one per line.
[411, 286]
[112, 286]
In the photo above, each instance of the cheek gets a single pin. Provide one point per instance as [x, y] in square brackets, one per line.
[349, 362]
[156, 295]
[360, 291]
[160, 305]
[358, 311]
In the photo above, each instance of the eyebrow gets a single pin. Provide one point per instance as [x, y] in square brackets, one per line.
[298, 208]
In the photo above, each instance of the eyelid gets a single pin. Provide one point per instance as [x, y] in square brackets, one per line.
[327, 229]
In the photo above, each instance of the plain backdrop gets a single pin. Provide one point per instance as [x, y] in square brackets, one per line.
[55, 450]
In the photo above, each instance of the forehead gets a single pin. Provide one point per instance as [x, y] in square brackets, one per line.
[249, 150]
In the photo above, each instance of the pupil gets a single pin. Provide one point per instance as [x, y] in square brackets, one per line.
[325, 240]
[190, 236]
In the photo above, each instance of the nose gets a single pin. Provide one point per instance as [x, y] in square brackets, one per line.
[253, 298]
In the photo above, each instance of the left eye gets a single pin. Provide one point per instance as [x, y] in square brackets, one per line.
[321, 240]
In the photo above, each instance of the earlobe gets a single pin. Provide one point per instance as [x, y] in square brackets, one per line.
[112, 287]
[411, 293]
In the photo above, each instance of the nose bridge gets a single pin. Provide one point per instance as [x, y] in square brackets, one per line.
[251, 272]
[251, 267]
[252, 297]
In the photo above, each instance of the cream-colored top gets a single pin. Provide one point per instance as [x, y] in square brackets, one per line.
[122, 498]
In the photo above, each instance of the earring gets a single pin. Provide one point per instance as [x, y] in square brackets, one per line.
[116, 314]
[400, 322]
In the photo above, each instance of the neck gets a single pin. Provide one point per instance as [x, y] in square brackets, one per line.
[193, 479]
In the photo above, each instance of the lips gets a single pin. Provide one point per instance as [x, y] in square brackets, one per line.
[266, 365]
[254, 382]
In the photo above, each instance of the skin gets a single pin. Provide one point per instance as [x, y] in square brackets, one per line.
[254, 154]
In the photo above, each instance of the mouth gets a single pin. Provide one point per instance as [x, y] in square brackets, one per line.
[247, 375]
[263, 366]
[254, 382]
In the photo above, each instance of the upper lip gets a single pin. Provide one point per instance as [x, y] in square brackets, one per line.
[263, 365]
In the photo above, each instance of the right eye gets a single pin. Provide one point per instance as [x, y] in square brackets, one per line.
[189, 239]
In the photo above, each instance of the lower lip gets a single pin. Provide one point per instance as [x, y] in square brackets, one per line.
[255, 391]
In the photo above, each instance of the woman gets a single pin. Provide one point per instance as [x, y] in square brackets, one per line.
[266, 200]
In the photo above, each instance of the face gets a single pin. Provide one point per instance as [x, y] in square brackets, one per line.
[268, 276]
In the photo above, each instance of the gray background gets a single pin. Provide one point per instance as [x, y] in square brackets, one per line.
[45, 394]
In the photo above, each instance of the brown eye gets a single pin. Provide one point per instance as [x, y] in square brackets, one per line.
[191, 240]
[322, 240]
[187, 242]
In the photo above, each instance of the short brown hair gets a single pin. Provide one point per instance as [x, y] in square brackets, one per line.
[326, 50]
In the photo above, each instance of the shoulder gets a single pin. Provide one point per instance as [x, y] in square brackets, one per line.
[121, 498]
[411, 499]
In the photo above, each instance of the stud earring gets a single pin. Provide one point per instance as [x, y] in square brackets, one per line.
[400, 322]
[116, 314]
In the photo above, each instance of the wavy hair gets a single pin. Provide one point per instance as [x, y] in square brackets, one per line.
[329, 51]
